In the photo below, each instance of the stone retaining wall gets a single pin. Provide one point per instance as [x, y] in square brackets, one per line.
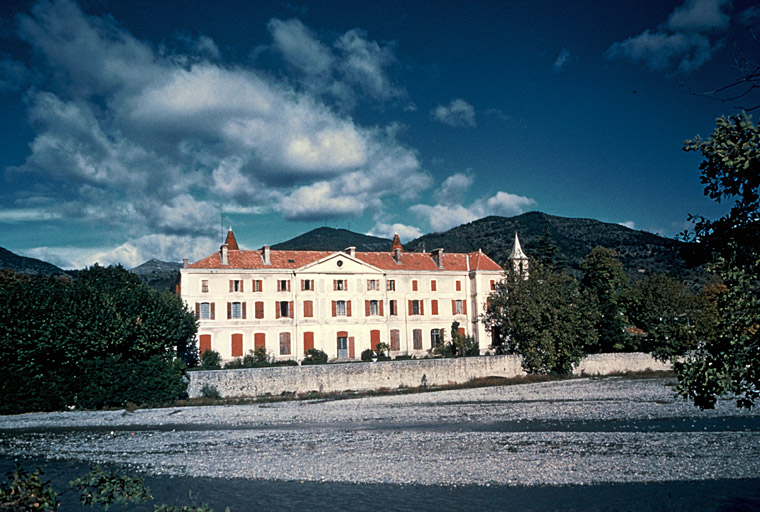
[393, 374]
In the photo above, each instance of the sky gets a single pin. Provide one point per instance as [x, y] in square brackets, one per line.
[143, 129]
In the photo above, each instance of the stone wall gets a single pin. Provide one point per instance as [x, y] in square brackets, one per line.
[392, 374]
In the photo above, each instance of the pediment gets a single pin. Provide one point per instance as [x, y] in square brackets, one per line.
[340, 263]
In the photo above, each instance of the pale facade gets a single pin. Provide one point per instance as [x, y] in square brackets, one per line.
[340, 302]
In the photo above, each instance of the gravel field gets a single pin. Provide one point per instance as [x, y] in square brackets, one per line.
[580, 431]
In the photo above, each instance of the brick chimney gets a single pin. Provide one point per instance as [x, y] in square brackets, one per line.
[437, 255]
[265, 255]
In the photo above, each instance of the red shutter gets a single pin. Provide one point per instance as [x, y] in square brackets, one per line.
[422, 307]
[308, 341]
[351, 351]
[461, 331]
[237, 345]
[302, 285]
[348, 308]
[197, 310]
[335, 285]
[243, 306]
[411, 308]
[414, 285]
[212, 311]
[434, 307]
[334, 308]
[230, 284]
[459, 286]
[242, 285]
[290, 309]
[453, 307]
[366, 308]
[374, 338]
[259, 309]
[229, 310]
[433, 286]
[464, 307]
[493, 284]
[259, 340]
[277, 309]
[380, 303]
[205, 343]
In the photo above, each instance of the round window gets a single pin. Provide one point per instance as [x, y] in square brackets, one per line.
[340, 263]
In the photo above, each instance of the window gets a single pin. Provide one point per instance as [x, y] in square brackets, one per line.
[258, 285]
[374, 339]
[459, 286]
[416, 307]
[284, 343]
[236, 310]
[457, 307]
[372, 308]
[237, 345]
[493, 284]
[394, 307]
[395, 342]
[435, 337]
[284, 309]
[259, 309]
[433, 307]
[414, 285]
[236, 285]
[308, 341]
[373, 285]
[307, 285]
[283, 285]
[340, 285]
[417, 339]
[204, 286]
[433, 285]
[391, 285]
[259, 340]
[340, 308]
[204, 310]
[205, 343]
[308, 309]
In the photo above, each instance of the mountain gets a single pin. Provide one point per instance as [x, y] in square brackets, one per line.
[330, 239]
[640, 252]
[161, 275]
[24, 265]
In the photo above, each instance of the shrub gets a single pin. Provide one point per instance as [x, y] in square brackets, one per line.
[235, 364]
[211, 360]
[209, 391]
[27, 491]
[107, 487]
[403, 357]
[367, 355]
[286, 362]
[314, 356]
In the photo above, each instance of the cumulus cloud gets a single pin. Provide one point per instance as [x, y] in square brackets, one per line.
[404, 232]
[629, 224]
[456, 113]
[153, 141]
[686, 40]
[450, 212]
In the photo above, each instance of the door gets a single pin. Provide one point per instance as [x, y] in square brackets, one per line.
[342, 347]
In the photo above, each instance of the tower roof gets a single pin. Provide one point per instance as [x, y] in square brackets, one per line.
[231, 243]
[396, 243]
[517, 252]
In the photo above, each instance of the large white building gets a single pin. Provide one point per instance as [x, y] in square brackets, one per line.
[340, 302]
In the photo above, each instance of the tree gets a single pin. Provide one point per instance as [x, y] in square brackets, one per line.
[604, 280]
[544, 318]
[728, 363]
[547, 252]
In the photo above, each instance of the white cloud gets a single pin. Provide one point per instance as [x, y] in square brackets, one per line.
[628, 224]
[687, 40]
[405, 233]
[506, 204]
[151, 141]
[562, 60]
[442, 218]
[456, 113]
[453, 189]
[28, 215]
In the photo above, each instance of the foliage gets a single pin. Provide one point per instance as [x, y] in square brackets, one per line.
[382, 349]
[367, 355]
[184, 508]
[211, 360]
[461, 344]
[58, 336]
[209, 391]
[666, 311]
[728, 363]
[26, 491]
[606, 283]
[106, 487]
[544, 318]
[314, 356]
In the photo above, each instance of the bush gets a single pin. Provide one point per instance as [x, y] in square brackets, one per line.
[403, 357]
[27, 491]
[314, 356]
[286, 362]
[209, 391]
[211, 360]
[367, 355]
[107, 487]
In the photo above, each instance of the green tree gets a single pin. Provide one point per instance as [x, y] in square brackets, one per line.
[547, 252]
[605, 282]
[728, 363]
[665, 310]
[544, 318]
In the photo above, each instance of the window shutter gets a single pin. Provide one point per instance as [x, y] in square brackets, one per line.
[242, 285]
[259, 309]
[464, 307]
[433, 307]
[212, 311]
[197, 310]
[243, 306]
[411, 308]
[461, 331]
[335, 286]
[290, 309]
[366, 308]
[259, 340]
[453, 307]
[334, 308]
[433, 285]
[459, 286]
[422, 307]
[348, 308]
[380, 302]
[230, 284]
[493, 284]
[414, 285]
[229, 310]
[277, 309]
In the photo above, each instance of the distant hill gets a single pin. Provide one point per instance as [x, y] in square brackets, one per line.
[640, 252]
[330, 239]
[24, 265]
[161, 275]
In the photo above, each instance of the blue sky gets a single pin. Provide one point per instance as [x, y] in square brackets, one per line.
[137, 130]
